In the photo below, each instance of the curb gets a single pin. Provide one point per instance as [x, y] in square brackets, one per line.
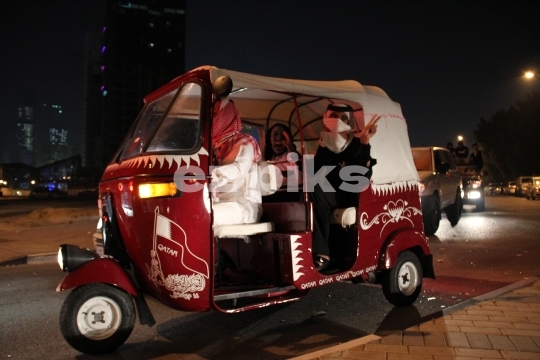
[372, 337]
[49, 258]
[350, 344]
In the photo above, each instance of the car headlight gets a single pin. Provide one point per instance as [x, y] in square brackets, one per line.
[474, 194]
[71, 257]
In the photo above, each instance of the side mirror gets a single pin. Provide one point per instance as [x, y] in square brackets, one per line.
[443, 168]
[222, 87]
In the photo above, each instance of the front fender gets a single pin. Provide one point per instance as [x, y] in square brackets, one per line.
[100, 270]
[404, 239]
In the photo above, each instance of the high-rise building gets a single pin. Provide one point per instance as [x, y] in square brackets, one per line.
[25, 135]
[93, 129]
[51, 135]
[142, 48]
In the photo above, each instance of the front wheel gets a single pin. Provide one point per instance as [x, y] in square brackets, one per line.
[97, 318]
[402, 284]
[453, 212]
[431, 213]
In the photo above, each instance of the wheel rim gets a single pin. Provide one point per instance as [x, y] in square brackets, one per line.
[99, 318]
[408, 278]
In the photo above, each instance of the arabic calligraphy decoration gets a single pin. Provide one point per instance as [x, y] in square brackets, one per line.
[394, 212]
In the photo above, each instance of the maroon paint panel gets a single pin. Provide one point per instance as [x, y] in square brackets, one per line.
[101, 270]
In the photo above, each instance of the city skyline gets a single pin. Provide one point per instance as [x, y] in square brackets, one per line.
[448, 64]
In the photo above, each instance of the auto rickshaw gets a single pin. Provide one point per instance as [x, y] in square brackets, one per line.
[159, 238]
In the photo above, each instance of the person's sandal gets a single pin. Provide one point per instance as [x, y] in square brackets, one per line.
[320, 262]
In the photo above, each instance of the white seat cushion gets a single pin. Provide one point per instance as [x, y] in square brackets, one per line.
[345, 217]
[243, 229]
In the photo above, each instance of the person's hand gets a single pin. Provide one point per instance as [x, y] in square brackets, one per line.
[369, 130]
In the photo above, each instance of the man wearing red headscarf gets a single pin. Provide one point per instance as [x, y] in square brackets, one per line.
[235, 181]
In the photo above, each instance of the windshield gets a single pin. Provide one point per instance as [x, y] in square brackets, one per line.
[179, 129]
[422, 159]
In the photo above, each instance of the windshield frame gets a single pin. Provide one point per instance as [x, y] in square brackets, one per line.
[120, 157]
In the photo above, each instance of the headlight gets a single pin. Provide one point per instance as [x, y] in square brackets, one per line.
[474, 195]
[71, 257]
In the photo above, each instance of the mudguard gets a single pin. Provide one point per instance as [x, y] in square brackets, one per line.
[406, 239]
[100, 270]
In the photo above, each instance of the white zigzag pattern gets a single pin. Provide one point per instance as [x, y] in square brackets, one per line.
[296, 257]
[153, 160]
[395, 187]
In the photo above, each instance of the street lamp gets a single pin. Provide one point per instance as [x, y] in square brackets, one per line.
[460, 138]
[530, 75]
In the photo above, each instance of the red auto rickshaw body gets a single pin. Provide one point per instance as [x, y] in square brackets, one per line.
[102, 270]
[164, 233]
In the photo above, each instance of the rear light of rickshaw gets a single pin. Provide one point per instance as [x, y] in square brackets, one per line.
[157, 190]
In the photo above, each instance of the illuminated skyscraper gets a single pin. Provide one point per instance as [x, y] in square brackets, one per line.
[51, 142]
[25, 135]
[142, 48]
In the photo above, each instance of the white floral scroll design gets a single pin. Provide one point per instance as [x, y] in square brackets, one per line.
[395, 211]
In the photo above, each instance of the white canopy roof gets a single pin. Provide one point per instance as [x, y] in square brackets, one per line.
[267, 100]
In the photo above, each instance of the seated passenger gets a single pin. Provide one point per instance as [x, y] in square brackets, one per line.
[236, 197]
[340, 145]
[281, 151]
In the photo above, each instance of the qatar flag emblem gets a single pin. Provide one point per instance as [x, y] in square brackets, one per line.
[170, 240]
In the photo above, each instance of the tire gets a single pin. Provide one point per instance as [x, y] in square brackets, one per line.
[480, 205]
[431, 213]
[402, 284]
[453, 212]
[110, 307]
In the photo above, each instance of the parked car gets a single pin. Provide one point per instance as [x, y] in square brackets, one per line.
[47, 193]
[493, 188]
[522, 183]
[533, 190]
[509, 188]
[440, 186]
[473, 188]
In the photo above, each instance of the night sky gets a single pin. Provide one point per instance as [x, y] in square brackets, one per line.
[448, 63]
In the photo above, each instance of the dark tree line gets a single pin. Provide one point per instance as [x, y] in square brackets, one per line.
[510, 140]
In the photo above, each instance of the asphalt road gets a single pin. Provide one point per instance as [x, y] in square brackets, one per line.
[484, 252]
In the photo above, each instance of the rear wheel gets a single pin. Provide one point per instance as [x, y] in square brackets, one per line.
[453, 212]
[97, 318]
[402, 284]
[431, 213]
